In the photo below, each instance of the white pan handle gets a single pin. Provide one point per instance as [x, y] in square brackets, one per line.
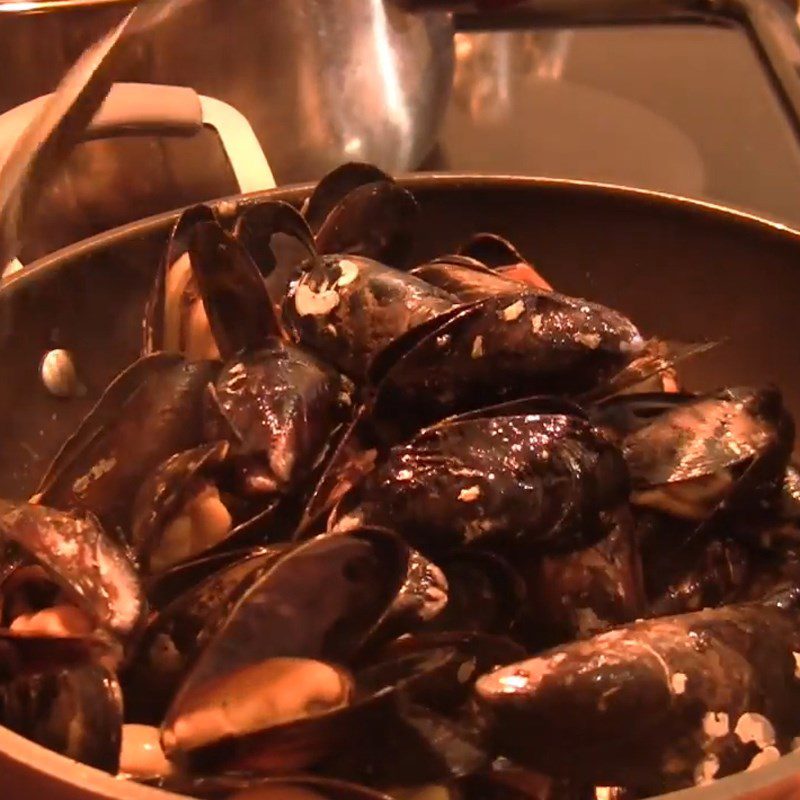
[153, 109]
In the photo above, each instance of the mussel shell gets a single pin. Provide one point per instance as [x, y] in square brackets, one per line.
[177, 245]
[72, 548]
[257, 224]
[625, 414]
[150, 411]
[501, 348]
[300, 743]
[346, 309]
[468, 280]
[353, 457]
[335, 186]
[326, 599]
[535, 482]
[76, 712]
[703, 575]
[656, 705]
[280, 408]
[475, 654]
[164, 492]
[275, 717]
[492, 250]
[167, 586]
[174, 638]
[505, 780]
[576, 595]
[485, 593]
[656, 358]
[375, 220]
[524, 406]
[703, 436]
[719, 460]
[234, 294]
[427, 749]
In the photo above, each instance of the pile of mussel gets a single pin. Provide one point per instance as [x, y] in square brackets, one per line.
[356, 528]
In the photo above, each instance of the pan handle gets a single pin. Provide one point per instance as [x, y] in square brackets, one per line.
[148, 109]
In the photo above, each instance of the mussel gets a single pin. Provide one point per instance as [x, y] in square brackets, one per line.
[350, 308]
[658, 705]
[579, 594]
[75, 711]
[538, 481]
[150, 411]
[174, 638]
[730, 447]
[374, 587]
[505, 346]
[96, 577]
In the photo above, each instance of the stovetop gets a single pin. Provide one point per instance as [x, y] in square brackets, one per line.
[697, 105]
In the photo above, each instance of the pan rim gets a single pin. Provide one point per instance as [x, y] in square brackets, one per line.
[412, 181]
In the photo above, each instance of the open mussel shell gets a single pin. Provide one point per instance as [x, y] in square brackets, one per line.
[276, 716]
[452, 485]
[151, 410]
[376, 220]
[335, 186]
[503, 257]
[353, 457]
[173, 639]
[279, 241]
[328, 598]
[281, 409]
[234, 294]
[347, 308]
[625, 414]
[501, 348]
[505, 780]
[173, 297]
[165, 495]
[428, 750]
[712, 455]
[653, 369]
[701, 436]
[257, 224]
[94, 572]
[75, 711]
[492, 250]
[298, 712]
[535, 405]
[647, 706]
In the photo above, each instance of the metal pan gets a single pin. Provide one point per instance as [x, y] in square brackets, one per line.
[679, 268]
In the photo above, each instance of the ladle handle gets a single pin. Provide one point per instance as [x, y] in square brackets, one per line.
[147, 109]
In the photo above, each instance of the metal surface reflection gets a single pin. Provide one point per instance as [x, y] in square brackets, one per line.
[492, 66]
